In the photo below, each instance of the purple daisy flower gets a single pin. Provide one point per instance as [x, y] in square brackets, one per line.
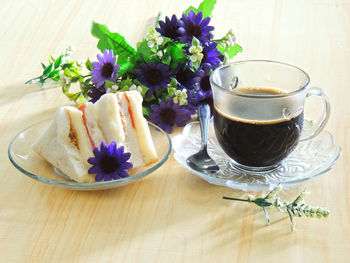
[110, 162]
[185, 77]
[203, 72]
[154, 76]
[211, 54]
[168, 113]
[95, 93]
[194, 26]
[169, 28]
[105, 69]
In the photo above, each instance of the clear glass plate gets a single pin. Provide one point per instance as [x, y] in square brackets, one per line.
[309, 160]
[28, 162]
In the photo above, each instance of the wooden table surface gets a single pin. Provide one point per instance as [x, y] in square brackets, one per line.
[170, 215]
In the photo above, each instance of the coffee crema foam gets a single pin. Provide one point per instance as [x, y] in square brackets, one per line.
[271, 111]
[260, 91]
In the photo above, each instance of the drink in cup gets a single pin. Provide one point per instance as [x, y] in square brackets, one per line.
[259, 112]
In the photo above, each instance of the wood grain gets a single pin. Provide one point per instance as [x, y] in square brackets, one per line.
[171, 215]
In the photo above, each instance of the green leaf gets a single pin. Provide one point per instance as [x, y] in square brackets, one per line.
[125, 83]
[124, 67]
[171, 91]
[112, 41]
[177, 54]
[48, 69]
[65, 88]
[150, 98]
[234, 50]
[144, 90]
[206, 7]
[67, 73]
[146, 111]
[54, 73]
[43, 65]
[166, 59]
[58, 62]
[73, 96]
[126, 88]
[262, 202]
[67, 65]
[88, 65]
[56, 77]
[109, 84]
[144, 54]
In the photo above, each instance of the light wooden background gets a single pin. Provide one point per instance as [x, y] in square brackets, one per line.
[171, 215]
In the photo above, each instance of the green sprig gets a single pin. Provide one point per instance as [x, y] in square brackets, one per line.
[297, 208]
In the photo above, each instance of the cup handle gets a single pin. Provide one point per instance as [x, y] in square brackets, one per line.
[322, 121]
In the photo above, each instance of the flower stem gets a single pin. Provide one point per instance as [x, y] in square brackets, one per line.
[267, 216]
[33, 80]
[236, 199]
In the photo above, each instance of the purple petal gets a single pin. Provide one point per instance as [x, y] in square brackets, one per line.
[107, 177]
[125, 156]
[123, 174]
[98, 177]
[126, 166]
[205, 22]
[94, 170]
[100, 58]
[198, 18]
[111, 148]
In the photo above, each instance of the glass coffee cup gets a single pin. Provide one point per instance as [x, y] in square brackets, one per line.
[259, 112]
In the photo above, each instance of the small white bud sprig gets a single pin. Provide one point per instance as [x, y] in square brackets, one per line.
[180, 97]
[196, 51]
[153, 38]
[137, 88]
[297, 208]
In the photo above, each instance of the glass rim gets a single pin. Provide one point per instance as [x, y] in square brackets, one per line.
[280, 95]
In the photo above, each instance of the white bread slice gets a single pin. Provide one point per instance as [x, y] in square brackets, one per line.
[109, 120]
[131, 142]
[91, 124]
[140, 125]
[65, 144]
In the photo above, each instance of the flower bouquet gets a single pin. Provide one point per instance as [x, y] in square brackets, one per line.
[170, 67]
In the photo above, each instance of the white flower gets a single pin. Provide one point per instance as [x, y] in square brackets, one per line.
[300, 199]
[65, 59]
[153, 38]
[196, 53]
[66, 54]
[68, 51]
[195, 49]
[272, 194]
[137, 88]
[180, 97]
[112, 89]
[196, 57]
[231, 38]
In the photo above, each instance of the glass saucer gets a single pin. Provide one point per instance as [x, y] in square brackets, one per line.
[28, 162]
[309, 160]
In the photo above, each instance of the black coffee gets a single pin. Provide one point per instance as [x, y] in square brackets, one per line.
[258, 143]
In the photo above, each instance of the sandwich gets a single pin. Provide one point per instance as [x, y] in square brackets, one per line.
[71, 137]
